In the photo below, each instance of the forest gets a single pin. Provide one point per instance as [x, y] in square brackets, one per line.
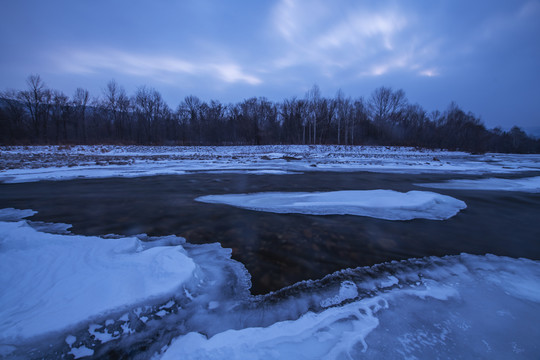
[40, 115]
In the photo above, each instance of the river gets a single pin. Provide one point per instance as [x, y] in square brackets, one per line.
[281, 249]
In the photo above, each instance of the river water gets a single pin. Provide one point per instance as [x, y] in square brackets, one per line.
[281, 249]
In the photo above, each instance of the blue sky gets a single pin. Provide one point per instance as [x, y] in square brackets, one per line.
[485, 55]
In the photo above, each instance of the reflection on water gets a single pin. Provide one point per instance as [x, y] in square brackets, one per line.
[281, 249]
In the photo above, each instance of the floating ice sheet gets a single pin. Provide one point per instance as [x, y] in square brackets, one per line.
[382, 204]
[528, 184]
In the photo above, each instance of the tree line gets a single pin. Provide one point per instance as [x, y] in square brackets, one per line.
[39, 115]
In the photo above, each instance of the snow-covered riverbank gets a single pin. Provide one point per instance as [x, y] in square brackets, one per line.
[26, 164]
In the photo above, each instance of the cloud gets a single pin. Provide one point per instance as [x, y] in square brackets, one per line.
[429, 72]
[157, 67]
[232, 73]
[335, 37]
[362, 26]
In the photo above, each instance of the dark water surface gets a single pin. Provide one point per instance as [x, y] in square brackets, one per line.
[281, 249]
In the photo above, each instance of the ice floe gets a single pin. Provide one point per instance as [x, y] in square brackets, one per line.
[50, 282]
[528, 184]
[382, 204]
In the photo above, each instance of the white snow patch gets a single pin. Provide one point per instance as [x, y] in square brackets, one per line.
[529, 184]
[50, 281]
[126, 329]
[168, 305]
[102, 336]
[213, 305]
[390, 281]
[382, 204]
[70, 340]
[161, 313]
[81, 352]
[347, 290]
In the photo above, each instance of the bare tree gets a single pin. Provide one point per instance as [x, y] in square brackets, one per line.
[344, 115]
[386, 104]
[313, 98]
[115, 103]
[189, 110]
[60, 113]
[80, 102]
[14, 116]
[34, 99]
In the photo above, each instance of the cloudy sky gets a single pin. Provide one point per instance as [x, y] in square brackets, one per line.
[485, 55]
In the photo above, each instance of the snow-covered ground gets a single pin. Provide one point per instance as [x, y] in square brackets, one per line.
[381, 204]
[24, 164]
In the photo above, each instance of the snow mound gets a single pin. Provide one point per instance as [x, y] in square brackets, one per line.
[529, 184]
[382, 204]
[50, 282]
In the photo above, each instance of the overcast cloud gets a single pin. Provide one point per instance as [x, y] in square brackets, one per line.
[483, 55]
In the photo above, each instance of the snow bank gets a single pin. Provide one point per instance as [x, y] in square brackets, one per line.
[382, 204]
[529, 184]
[50, 282]
[452, 307]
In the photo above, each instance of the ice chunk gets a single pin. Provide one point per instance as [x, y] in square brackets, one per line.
[11, 214]
[51, 281]
[528, 184]
[382, 204]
